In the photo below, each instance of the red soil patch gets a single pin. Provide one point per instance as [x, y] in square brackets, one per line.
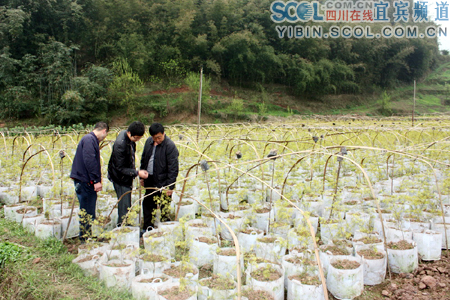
[183, 89]
[216, 93]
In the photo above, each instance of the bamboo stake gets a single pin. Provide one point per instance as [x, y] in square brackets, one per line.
[70, 218]
[199, 104]
[340, 159]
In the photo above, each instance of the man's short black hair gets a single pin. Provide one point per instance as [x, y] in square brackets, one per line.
[156, 128]
[101, 126]
[136, 129]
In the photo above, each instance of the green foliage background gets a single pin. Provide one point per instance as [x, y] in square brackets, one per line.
[71, 61]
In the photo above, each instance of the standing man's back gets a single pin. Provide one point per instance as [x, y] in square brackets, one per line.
[87, 176]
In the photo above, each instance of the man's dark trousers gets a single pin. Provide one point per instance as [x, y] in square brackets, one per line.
[124, 203]
[88, 199]
[149, 205]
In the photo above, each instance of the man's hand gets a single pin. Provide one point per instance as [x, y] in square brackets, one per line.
[141, 182]
[143, 174]
[98, 187]
[169, 192]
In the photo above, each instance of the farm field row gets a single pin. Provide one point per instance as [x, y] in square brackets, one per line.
[327, 207]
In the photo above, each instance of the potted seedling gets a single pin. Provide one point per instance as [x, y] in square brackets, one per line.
[300, 236]
[345, 278]
[196, 228]
[297, 263]
[100, 225]
[26, 211]
[49, 228]
[326, 252]
[160, 242]
[117, 273]
[172, 291]
[216, 287]
[144, 286]
[126, 234]
[247, 238]
[236, 223]
[305, 285]
[224, 263]
[374, 262]
[268, 277]
[368, 240]
[183, 272]
[402, 256]
[88, 263]
[202, 250]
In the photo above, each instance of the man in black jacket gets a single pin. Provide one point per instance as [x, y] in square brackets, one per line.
[121, 167]
[160, 159]
[87, 175]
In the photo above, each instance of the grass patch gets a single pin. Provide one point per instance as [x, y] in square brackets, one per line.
[428, 100]
[441, 74]
[54, 276]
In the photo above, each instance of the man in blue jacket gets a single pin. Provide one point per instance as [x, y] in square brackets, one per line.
[87, 176]
[121, 167]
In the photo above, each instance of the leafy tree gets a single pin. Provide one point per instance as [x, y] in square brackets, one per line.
[15, 103]
[71, 109]
[126, 85]
[244, 57]
[193, 81]
[8, 68]
[385, 103]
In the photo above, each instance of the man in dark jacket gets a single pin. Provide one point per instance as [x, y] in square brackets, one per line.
[160, 159]
[121, 167]
[87, 176]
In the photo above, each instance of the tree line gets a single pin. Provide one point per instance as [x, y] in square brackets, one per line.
[71, 61]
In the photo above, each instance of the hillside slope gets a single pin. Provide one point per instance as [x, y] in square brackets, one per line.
[225, 103]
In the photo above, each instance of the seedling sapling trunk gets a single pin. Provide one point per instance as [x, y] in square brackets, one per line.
[340, 159]
[205, 168]
[25, 163]
[392, 172]
[61, 155]
[238, 156]
[272, 153]
[199, 104]
[315, 139]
